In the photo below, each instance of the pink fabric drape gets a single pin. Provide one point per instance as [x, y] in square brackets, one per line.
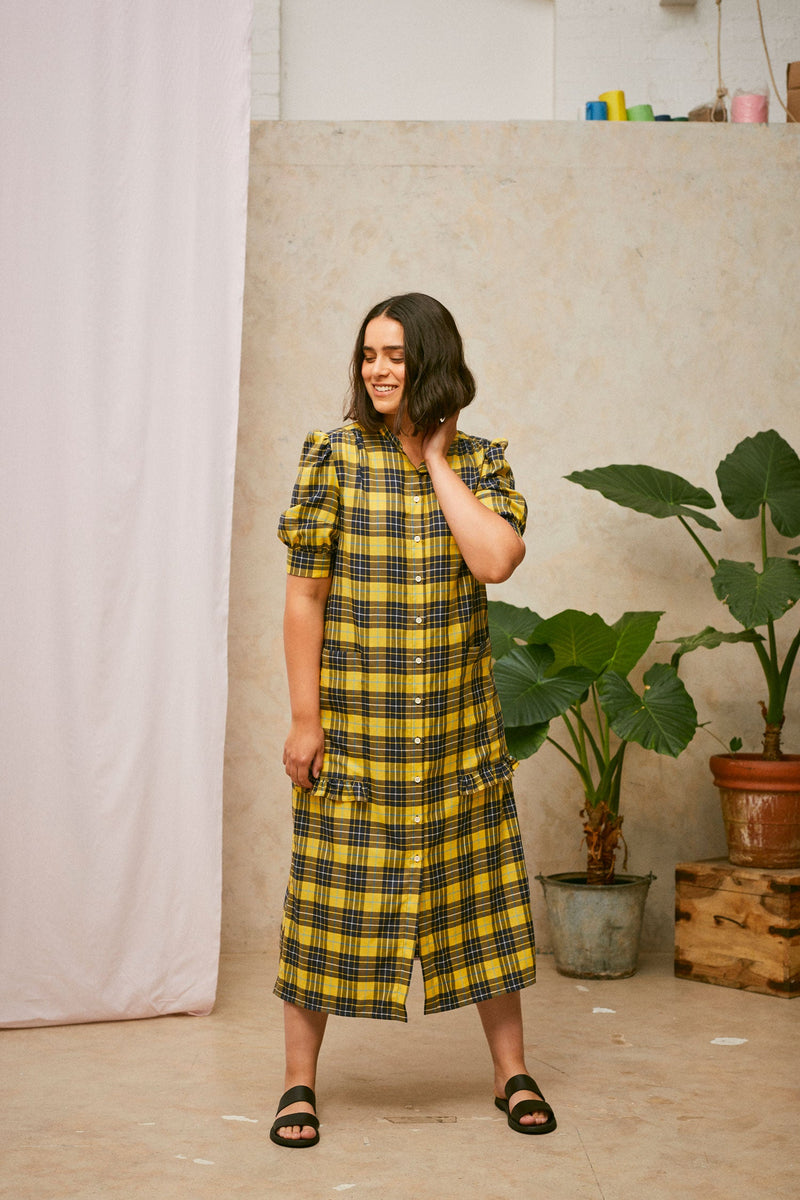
[124, 131]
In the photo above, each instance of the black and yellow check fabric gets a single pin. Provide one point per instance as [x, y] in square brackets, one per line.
[408, 844]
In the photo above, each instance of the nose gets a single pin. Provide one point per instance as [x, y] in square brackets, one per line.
[380, 366]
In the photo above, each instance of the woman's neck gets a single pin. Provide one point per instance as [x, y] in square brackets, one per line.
[412, 445]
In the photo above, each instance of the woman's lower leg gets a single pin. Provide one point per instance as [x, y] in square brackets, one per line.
[501, 1018]
[303, 1034]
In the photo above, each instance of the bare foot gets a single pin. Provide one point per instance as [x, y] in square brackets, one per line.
[296, 1132]
[531, 1119]
[536, 1118]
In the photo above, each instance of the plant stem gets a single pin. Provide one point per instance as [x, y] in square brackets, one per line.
[696, 539]
[586, 780]
[603, 726]
[775, 705]
[788, 663]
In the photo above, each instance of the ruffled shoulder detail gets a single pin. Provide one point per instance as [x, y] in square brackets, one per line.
[316, 448]
[310, 526]
[495, 486]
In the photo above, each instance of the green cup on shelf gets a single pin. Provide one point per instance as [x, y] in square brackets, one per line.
[641, 112]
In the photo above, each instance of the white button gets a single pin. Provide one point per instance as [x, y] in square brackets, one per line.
[418, 620]
[417, 499]
[417, 538]
[418, 660]
[418, 578]
[417, 700]
[417, 779]
[417, 857]
[417, 741]
[417, 818]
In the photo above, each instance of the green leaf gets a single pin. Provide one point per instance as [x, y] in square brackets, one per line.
[755, 597]
[636, 633]
[525, 740]
[648, 490]
[709, 639]
[763, 470]
[663, 719]
[509, 625]
[526, 696]
[577, 639]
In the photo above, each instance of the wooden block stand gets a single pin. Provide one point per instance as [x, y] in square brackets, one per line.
[738, 926]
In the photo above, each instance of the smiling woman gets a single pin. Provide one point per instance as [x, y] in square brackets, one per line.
[415, 341]
[383, 365]
[405, 825]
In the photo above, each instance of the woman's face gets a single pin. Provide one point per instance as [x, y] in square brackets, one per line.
[383, 365]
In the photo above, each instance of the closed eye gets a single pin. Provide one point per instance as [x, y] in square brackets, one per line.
[395, 353]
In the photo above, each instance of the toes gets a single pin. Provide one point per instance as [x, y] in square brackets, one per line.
[296, 1132]
[533, 1119]
[536, 1118]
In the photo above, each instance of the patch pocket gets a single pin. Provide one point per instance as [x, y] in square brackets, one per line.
[478, 648]
[340, 679]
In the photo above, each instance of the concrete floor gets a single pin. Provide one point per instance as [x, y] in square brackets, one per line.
[662, 1088]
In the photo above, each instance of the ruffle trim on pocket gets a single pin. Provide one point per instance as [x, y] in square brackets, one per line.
[486, 775]
[342, 788]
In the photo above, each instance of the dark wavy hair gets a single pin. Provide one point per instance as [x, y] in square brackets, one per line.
[438, 382]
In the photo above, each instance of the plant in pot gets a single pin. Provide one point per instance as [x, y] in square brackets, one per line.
[758, 481]
[573, 668]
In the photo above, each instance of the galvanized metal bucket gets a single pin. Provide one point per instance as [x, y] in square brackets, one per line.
[595, 928]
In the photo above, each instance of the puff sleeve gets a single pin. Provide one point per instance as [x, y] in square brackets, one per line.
[309, 527]
[497, 490]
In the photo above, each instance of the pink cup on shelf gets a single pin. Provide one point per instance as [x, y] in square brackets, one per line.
[750, 108]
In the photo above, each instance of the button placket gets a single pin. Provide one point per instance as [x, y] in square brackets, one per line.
[417, 583]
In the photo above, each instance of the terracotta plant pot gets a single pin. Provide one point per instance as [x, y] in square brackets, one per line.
[760, 808]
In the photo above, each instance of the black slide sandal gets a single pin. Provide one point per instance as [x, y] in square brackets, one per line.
[293, 1096]
[524, 1083]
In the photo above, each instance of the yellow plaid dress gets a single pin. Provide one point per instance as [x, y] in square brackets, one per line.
[408, 844]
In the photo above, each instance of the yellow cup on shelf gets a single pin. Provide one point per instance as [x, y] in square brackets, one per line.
[616, 105]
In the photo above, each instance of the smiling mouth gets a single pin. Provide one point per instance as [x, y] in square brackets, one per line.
[383, 389]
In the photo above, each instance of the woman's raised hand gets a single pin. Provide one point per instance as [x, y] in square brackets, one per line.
[438, 440]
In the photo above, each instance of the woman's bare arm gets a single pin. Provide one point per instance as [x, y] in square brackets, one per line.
[490, 547]
[303, 622]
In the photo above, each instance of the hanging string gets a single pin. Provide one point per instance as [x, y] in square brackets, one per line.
[789, 116]
[719, 111]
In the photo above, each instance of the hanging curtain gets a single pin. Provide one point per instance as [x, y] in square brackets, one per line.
[123, 181]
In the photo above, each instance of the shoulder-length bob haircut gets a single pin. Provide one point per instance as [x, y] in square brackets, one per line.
[438, 382]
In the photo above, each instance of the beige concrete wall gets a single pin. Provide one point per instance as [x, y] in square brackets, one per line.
[626, 293]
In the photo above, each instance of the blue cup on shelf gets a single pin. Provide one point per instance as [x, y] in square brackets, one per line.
[596, 110]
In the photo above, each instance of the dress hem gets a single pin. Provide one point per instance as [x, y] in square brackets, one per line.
[399, 1013]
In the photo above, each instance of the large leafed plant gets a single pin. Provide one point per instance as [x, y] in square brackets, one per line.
[574, 668]
[759, 479]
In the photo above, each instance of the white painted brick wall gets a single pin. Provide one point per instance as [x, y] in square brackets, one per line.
[665, 56]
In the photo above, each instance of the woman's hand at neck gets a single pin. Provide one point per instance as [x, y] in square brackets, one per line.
[490, 547]
[429, 444]
[438, 440]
